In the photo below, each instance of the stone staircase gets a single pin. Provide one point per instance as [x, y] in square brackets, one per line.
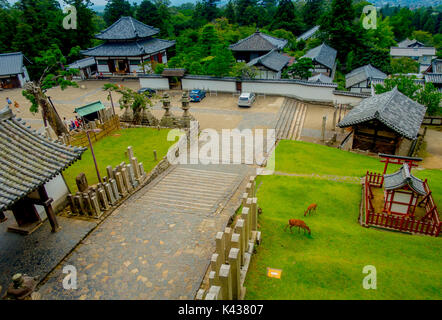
[290, 120]
[189, 190]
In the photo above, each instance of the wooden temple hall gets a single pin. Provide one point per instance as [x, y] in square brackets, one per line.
[128, 45]
[29, 162]
[385, 123]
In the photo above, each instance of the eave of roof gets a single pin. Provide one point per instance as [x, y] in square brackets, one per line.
[28, 159]
[127, 28]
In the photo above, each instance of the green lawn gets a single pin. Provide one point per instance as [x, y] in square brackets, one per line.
[304, 157]
[328, 264]
[111, 151]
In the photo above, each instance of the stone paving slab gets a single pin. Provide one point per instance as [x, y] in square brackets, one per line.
[38, 253]
[145, 250]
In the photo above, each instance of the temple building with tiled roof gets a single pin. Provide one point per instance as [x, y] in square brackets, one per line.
[256, 45]
[387, 123]
[324, 60]
[28, 162]
[128, 43]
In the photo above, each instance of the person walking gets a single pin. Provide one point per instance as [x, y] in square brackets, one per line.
[9, 102]
[17, 106]
[66, 123]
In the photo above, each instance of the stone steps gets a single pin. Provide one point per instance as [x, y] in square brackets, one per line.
[188, 190]
[285, 126]
[300, 119]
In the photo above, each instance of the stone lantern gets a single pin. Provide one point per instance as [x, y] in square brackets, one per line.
[185, 105]
[166, 104]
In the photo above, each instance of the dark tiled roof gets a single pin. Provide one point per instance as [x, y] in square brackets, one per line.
[129, 49]
[323, 54]
[309, 33]
[363, 73]
[394, 109]
[28, 160]
[402, 178]
[259, 42]
[433, 77]
[169, 72]
[83, 63]
[407, 43]
[127, 28]
[272, 60]
[320, 77]
[11, 63]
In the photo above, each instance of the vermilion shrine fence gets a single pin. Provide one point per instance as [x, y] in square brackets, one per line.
[429, 225]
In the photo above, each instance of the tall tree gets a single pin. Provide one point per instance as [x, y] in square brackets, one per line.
[210, 9]
[83, 35]
[52, 75]
[338, 25]
[241, 8]
[115, 9]
[7, 27]
[286, 18]
[229, 12]
[312, 11]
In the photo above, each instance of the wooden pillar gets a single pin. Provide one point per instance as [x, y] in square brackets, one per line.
[48, 208]
[226, 281]
[220, 246]
[236, 273]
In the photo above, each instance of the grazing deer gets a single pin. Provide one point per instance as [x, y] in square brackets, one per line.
[297, 223]
[310, 208]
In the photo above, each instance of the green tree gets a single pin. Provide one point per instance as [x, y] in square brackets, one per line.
[423, 36]
[402, 24]
[53, 75]
[430, 97]
[210, 9]
[131, 99]
[286, 18]
[404, 65]
[221, 64]
[115, 9]
[342, 32]
[86, 29]
[229, 12]
[242, 70]
[7, 27]
[301, 69]
[209, 39]
[312, 11]
[241, 8]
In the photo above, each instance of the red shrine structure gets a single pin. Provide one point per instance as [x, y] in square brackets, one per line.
[399, 201]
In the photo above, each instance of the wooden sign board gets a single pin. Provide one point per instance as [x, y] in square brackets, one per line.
[274, 273]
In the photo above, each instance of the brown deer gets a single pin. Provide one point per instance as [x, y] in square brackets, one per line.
[310, 208]
[297, 223]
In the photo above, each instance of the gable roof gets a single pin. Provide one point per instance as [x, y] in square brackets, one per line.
[259, 42]
[435, 66]
[309, 33]
[12, 63]
[363, 73]
[272, 60]
[402, 178]
[127, 28]
[83, 63]
[407, 43]
[323, 54]
[320, 77]
[394, 109]
[28, 160]
[129, 49]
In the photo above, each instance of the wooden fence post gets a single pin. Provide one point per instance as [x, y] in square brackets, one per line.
[236, 273]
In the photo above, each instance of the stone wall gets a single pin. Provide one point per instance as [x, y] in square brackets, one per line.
[234, 249]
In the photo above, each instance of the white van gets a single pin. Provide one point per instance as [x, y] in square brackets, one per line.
[246, 99]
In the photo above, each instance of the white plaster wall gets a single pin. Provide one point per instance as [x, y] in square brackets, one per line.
[57, 190]
[207, 84]
[102, 68]
[154, 83]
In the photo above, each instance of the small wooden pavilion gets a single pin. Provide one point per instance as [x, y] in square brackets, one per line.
[28, 161]
[399, 201]
[388, 123]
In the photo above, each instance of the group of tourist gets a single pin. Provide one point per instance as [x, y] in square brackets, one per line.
[73, 124]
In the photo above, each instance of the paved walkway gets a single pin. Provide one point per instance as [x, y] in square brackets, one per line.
[158, 244]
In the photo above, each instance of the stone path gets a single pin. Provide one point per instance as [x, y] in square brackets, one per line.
[158, 244]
